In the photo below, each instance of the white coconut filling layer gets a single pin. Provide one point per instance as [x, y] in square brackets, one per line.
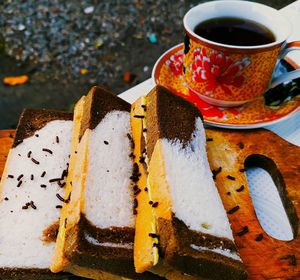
[94, 241]
[195, 198]
[224, 252]
[108, 197]
[21, 230]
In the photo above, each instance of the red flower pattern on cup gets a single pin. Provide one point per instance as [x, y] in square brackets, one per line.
[218, 69]
[175, 63]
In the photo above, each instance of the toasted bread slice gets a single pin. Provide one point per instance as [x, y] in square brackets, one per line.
[31, 185]
[97, 229]
[189, 225]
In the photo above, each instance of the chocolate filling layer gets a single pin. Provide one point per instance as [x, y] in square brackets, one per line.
[169, 116]
[97, 104]
[32, 120]
[108, 249]
[30, 273]
[176, 240]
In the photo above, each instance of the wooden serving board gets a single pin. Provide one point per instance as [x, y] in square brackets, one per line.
[232, 150]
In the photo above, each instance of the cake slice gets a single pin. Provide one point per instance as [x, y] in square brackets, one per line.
[96, 232]
[181, 223]
[31, 191]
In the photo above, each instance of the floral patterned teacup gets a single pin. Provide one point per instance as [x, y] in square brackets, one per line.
[229, 75]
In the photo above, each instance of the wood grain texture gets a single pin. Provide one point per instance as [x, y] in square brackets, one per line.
[232, 150]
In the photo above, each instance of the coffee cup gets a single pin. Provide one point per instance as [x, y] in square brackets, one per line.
[229, 68]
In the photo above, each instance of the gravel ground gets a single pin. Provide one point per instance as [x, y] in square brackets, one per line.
[67, 46]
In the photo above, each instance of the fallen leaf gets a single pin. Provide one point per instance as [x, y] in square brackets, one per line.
[83, 71]
[16, 80]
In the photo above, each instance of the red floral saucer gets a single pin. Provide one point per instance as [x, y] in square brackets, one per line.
[168, 72]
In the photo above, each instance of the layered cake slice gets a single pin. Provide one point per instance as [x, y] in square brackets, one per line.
[31, 194]
[181, 222]
[96, 232]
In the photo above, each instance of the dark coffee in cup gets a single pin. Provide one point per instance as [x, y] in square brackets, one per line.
[235, 31]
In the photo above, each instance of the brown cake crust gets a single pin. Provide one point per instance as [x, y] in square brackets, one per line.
[176, 240]
[169, 116]
[110, 259]
[32, 120]
[98, 103]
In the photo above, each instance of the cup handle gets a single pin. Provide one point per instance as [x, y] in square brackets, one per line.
[289, 76]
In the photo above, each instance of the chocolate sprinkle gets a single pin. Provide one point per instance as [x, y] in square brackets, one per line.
[155, 245]
[31, 177]
[36, 135]
[35, 161]
[62, 185]
[20, 177]
[142, 159]
[241, 145]
[47, 150]
[129, 136]
[242, 170]
[10, 176]
[66, 222]
[139, 116]
[215, 172]
[155, 204]
[33, 205]
[6, 198]
[135, 168]
[228, 193]
[135, 212]
[57, 139]
[43, 186]
[135, 177]
[209, 139]
[244, 230]
[137, 191]
[146, 189]
[259, 237]
[105, 142]
[150, 202]
[60, 197]
[26, 205]
[43, 174]
[144, 129]
[230, 177]
[55, 180]
[19, 184]
[29, 154]
[58, 206]
[131, 155]
[64, 173]
[144, 107]
[135, 203]
[153, 235]
[241, 188]
[233, 210]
